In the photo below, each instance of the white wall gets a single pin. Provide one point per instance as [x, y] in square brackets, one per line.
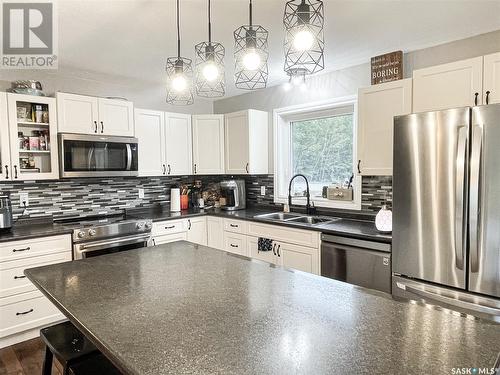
[347, 81]
[147, 95]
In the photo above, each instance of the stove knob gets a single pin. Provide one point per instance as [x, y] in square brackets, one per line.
[149, 225]
[91, 232]
[80, 234]
[139, 226]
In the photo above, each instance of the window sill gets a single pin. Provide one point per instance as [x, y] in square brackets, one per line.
[321, 202]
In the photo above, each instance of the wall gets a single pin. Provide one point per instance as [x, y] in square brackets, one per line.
[347, 81]
[92, 196]
[146, 95]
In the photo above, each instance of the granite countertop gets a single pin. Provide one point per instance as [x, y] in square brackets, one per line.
[350, 227]
[33, 229]
[181, 308]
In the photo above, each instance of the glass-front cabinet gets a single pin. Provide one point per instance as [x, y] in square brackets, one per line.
[32, 129]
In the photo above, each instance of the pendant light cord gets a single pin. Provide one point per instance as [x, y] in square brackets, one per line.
[178, 33]
[209, 24]
[250, 11]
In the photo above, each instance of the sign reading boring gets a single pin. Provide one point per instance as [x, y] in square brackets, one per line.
[388, 67]
[29, 34]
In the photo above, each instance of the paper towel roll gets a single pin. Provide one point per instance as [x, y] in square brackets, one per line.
[175, 200]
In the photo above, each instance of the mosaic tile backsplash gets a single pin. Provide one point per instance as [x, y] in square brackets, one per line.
[83, 197]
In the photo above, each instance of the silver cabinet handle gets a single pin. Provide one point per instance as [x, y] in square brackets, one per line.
[475, 196]
[459, 197]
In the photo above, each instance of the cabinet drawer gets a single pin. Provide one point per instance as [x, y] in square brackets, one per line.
[235, 243]
[169, 227]
[12, 279]
[302, 237]
[34, 247]
[253, 251]
[235, 226]
[168, 238]
[26, 311]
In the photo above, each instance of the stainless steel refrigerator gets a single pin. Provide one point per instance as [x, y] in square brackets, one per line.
[446, 214]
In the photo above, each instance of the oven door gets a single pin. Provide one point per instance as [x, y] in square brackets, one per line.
[111, 245]
[97, 156]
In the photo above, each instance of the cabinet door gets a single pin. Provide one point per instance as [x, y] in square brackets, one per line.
[5, 167]
[237, 143]
[492, 78]
[77, 113]
[298, 257]
[208, 144]
[253, 251]
[149, 130]
[39, 160]
[258, 134]
[116, 117]
[197, 230]
[377, 106]
[215, 232]
[448, 86]
[178, 139]
[235, 243]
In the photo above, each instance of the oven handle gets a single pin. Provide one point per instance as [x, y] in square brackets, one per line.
[112, 243]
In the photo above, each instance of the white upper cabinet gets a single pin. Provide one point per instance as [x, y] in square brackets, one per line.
[377, 106]
[149, 130]
[77, 113]
[178, 139]
[208, 144]
[83, 114]
[5, 166]
[452, 85]
[34, 119]
[246, 142]
[491, 84]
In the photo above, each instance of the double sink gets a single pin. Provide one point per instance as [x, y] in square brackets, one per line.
[291, 218]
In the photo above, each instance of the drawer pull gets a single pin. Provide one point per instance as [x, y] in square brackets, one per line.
[233, 245]
[24, 313]
[19, 277]
[24, 249]
[233, 225]
[170, 227]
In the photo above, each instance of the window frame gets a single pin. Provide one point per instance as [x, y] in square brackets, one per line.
[282, 119]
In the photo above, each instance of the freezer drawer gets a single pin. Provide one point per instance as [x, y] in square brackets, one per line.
[356, 265]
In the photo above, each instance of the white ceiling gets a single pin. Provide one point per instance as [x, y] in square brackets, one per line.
[132, 38]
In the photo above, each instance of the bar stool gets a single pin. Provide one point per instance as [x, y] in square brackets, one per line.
[94, 365]
[67, 343]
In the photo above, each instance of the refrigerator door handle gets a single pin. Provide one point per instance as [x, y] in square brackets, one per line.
[475, 196]
[459, 197]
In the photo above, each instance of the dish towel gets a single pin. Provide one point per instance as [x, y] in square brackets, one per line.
[264, 244]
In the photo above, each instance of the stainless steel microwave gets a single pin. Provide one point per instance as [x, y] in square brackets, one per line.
[97, 156]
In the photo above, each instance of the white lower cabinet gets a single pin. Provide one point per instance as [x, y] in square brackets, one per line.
[301, 258]
[23, 309]
[197, 230]
[193, 230]
[253, 250]
[215, 232]
[235, 243]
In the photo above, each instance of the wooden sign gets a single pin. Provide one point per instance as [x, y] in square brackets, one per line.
[388, 67]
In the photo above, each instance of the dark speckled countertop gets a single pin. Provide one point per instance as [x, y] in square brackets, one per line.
[349, 227]
[184, 309]
[33, 229]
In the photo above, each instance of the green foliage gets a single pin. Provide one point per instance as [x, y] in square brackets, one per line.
[322, 149]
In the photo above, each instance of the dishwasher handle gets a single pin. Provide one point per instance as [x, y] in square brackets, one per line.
[355, 242]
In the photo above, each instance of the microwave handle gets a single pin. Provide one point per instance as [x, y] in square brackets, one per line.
[90, 157]
[129, 157]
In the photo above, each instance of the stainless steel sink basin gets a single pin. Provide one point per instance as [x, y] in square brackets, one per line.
[295, 218]
[277, 216]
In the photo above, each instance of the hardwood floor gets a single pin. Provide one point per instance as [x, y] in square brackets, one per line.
[25, 358]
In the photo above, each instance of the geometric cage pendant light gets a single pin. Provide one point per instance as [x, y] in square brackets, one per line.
[179, 75]
[210, 65]
[304, 37]
[250, 55]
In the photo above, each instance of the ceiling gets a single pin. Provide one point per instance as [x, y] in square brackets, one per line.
[132, 38]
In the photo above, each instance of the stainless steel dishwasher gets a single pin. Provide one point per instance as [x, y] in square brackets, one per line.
[359, 262]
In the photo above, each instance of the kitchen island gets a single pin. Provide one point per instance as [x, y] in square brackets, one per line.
[181, 308]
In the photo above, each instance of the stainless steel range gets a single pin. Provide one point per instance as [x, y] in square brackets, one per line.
[95, 236]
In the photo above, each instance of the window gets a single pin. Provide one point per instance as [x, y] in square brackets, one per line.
[318, 141]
